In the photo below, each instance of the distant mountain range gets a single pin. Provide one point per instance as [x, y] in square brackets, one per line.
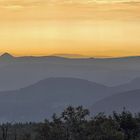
[25, 71]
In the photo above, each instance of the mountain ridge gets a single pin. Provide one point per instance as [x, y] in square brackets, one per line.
[6, 54]
[116, 102]
[45, 97]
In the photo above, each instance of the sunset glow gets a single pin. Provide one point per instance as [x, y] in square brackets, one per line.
[100, 28]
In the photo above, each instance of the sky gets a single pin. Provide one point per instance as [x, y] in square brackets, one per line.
[93, 28]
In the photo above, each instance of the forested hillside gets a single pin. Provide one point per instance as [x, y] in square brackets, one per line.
[76, 124]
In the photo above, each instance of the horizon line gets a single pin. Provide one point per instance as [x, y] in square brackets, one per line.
[69, 56]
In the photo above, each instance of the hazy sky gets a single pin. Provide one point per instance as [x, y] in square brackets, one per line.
[88, 27]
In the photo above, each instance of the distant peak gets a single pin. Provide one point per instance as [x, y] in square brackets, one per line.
[6, 55]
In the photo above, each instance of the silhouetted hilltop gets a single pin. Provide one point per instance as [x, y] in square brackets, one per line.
[6, 56]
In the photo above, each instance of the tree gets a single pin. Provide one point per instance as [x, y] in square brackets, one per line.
[102, 127]
[44, 131]
[74, 120]
[4, 130]
[57, 128]
[128, 124]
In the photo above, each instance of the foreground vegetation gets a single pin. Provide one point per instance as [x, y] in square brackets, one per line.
[76, 124]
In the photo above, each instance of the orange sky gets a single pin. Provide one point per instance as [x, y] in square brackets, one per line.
[101, 28]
